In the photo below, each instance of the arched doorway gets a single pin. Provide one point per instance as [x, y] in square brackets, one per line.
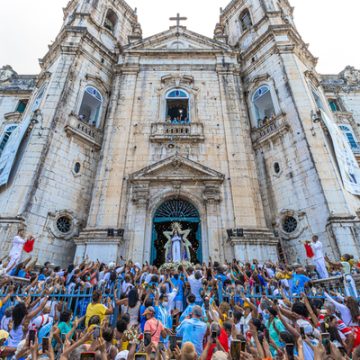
[170, 211]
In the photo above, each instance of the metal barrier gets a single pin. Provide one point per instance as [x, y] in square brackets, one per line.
[74, 300]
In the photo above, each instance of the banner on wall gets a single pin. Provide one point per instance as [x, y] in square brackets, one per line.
[349, 167]
[8, 156]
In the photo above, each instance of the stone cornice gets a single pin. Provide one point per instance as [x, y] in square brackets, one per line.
[85, 36]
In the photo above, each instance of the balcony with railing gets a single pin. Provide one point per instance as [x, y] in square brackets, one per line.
[270, 129]
[191, 132]
[83, 131]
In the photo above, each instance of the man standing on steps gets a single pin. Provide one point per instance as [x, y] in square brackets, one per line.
[319, 259]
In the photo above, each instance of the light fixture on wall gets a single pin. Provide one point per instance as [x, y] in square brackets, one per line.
[316, 116]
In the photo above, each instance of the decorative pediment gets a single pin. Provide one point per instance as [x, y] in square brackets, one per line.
[176, 169]
[178, 38]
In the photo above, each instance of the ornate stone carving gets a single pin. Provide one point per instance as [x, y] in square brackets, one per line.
[177, 80]
[351, 76]
[313, 77]
[212, 193]
[140, 193]
[7, 73]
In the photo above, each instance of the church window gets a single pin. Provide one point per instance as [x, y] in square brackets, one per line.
[21, 106]
[77, 167]
[263, 105]
[334, 105]
[64, 224]
[91, 106]
[110, 20]
[245, 20]
[176, 209]
[289, 224]
[177, 107]
[348, 132]
[5, 138]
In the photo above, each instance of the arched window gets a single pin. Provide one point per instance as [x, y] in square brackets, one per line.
[110, 20]
[348, 132]
[5, 137]
[177, 107]
[245, 20]
[91, 106]
[263, 104]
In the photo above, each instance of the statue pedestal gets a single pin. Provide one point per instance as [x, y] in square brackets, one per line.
[257, 244]
[97, 244]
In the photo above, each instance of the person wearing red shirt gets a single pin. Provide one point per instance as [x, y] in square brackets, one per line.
[222, 338]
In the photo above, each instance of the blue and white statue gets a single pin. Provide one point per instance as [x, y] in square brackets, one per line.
[177, 248]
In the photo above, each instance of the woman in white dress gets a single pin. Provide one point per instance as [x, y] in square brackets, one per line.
[16, 250]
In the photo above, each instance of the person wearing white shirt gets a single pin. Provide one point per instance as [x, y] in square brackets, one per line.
[16, 250]
[195, 281]
[319, 259]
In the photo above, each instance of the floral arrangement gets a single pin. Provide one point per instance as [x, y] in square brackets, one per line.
[175, 265]
[132, 336]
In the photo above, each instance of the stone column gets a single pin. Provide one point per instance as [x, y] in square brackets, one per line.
[213, 248]
[140, 198]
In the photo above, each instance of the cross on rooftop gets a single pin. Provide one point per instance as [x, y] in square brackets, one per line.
[178, 18]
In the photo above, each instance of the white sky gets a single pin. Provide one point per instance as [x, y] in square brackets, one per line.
[330, 26]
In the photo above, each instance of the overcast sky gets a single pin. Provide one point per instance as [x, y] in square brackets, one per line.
[330, 26]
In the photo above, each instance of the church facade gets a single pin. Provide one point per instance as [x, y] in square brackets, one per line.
[235, 138]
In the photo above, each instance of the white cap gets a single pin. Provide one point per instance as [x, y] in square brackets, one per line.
[122, 355]
[111, 265]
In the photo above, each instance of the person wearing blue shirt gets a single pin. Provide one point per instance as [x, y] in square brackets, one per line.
[193, 330]
[179, 298]
[190, 308]
[298, 281]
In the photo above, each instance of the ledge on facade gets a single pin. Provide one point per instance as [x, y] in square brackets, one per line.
[340, 115]
[100, 236]
[13, 117]
[254, 237]
[12, 220]
[161, 131]
[83, 131]
[272, 128]
[340, 218]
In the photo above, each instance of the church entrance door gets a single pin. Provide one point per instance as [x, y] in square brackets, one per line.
[166, 231]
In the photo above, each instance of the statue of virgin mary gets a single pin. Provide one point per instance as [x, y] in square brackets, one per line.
[178, 246]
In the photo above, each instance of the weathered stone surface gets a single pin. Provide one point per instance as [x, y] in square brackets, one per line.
[103, 181]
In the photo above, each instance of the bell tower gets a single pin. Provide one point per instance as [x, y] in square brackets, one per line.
[50, 187]
[298, 172]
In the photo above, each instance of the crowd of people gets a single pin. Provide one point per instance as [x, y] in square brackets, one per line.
[182, 311]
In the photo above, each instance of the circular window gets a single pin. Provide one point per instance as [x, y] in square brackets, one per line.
[77, 167]
[289, 224]
[276, 168]
[63, 224]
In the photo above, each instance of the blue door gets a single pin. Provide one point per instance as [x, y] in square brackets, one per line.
[183, 212]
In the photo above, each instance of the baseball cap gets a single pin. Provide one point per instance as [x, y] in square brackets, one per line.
[149, 310]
